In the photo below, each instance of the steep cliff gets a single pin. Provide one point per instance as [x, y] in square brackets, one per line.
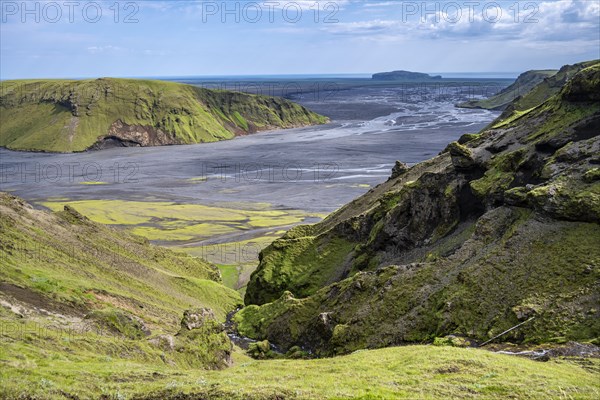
[500, 228]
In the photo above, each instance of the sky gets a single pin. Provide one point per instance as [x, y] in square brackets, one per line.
[77, 39]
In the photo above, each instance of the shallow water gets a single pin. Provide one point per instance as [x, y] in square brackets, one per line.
[316, 169]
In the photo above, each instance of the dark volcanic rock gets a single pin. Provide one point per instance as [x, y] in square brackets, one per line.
[492, 231]
[399, 169]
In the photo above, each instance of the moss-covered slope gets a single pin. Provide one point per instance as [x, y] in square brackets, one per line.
[501, 227]
[104, 289]
[550, 86]
[65, 116]
[524, 83]
[530, 89]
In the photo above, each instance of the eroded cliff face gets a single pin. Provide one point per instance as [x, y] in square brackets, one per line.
[121, 134]
[501, 227]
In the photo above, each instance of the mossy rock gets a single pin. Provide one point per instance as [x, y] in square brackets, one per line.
[261, 350]
[296, 353]
[468, 137]
[452, 340]
[591, 175]
[120, 322]
[197, 318]
[462, 156]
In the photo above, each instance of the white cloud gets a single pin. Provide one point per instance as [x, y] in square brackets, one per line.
[106, 49]
[551, 21]
[373, 27]
[149, 52]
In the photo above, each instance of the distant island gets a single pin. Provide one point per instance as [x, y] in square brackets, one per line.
[404, 76]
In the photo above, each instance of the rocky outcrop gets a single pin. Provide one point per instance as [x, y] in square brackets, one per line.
[197, 318]
[501, 226]
[119, 322]
[202, 336]
[121, 134]
[399, 169]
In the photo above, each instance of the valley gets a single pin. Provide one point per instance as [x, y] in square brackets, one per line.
[299, 200]
[228, 200]
[362, 258]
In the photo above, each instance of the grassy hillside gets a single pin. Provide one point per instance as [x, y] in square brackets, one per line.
[72, 261]
[524, 83]
[65, 116]
[531, 89]
[549, 87]
[500, 228]
[91, 312]
[73, 287]
[424, 372]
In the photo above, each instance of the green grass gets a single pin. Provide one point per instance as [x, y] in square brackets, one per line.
[66, 116]
[174, 223]
[523, 85]
[77, 292]
[230, 275]
[425, 372]
[550, 87]
[74, 261]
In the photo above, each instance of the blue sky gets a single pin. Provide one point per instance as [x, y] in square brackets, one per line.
[53, 39]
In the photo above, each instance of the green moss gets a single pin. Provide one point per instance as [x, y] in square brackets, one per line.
[523, 85]
[468, 137]
[514, 117]
[301, 266]
[568, 199]
[559, 115]
[261, 350]
[457, 149]
[500, 174]
[65, 116]
[493, 180]
[119, 322]
[592, 175]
